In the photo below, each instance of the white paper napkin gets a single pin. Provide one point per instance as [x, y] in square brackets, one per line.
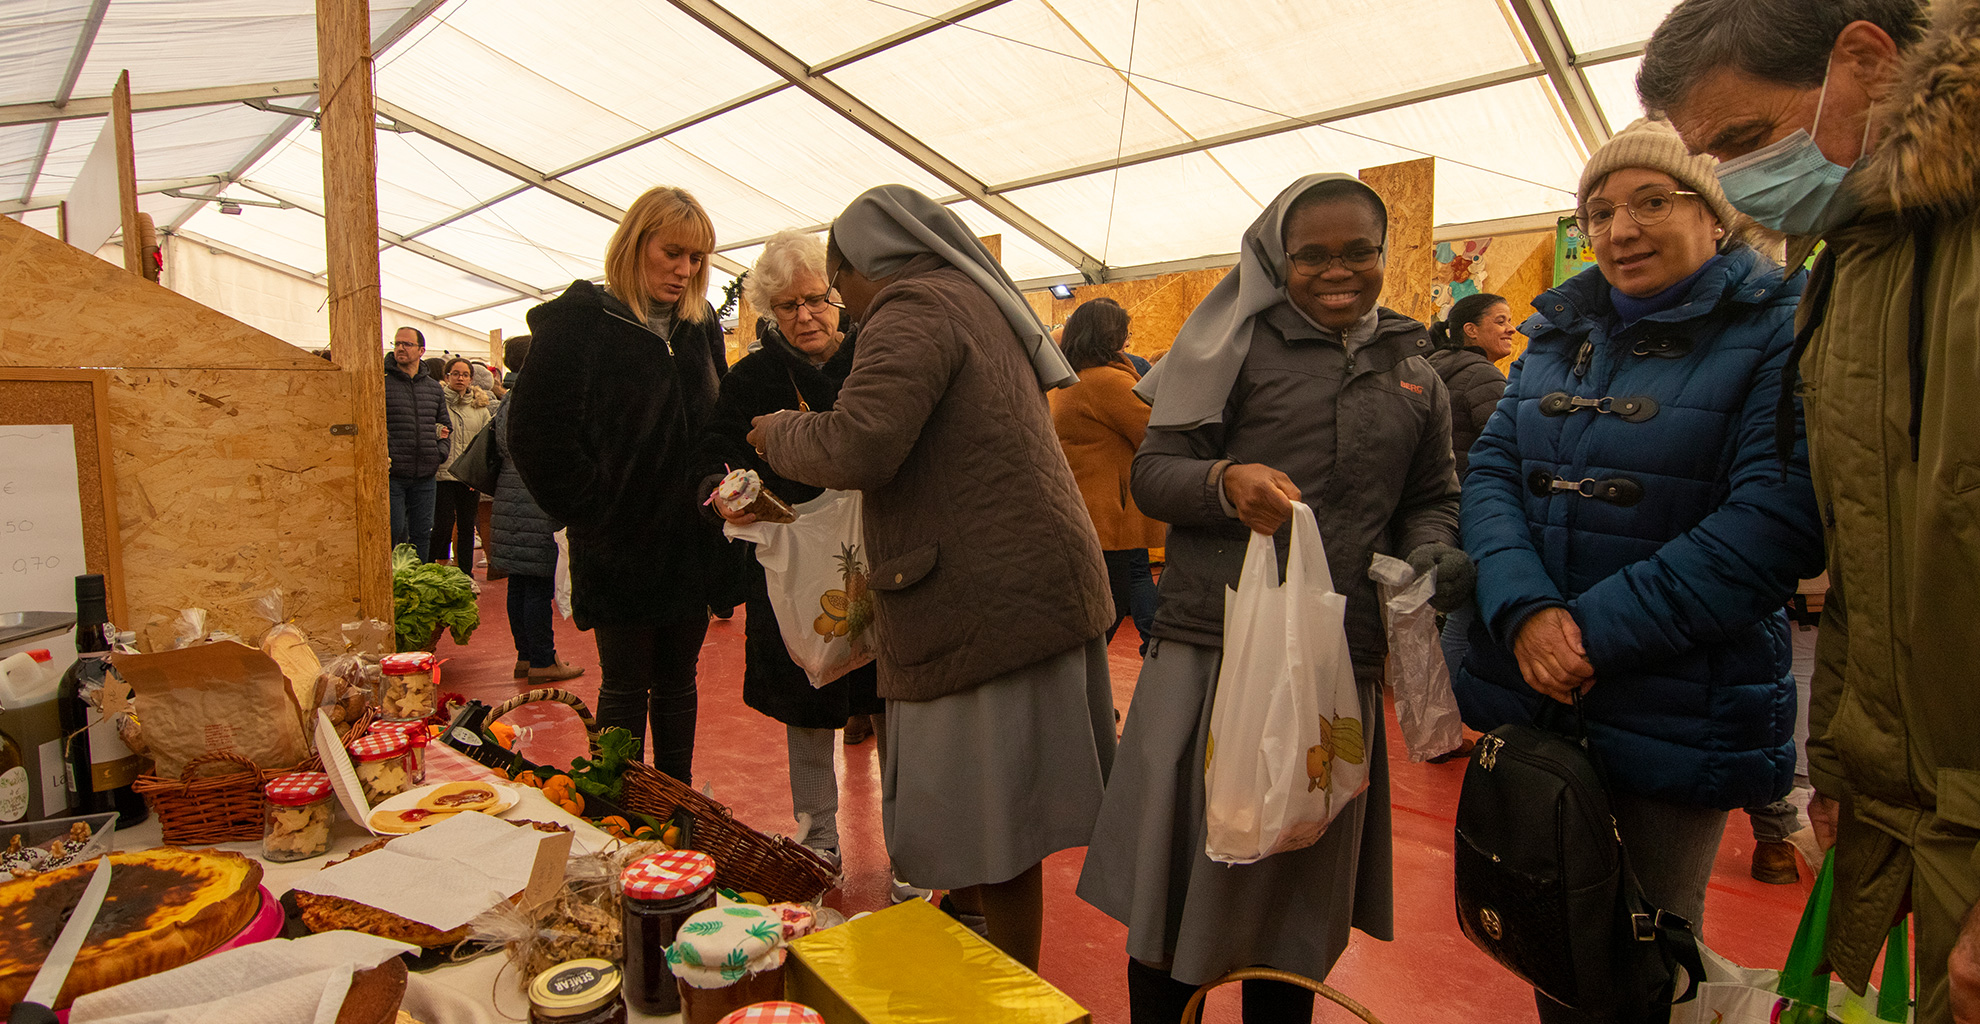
[442, 875]
[296, 980]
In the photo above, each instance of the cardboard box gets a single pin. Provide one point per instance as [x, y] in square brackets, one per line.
[913, 964]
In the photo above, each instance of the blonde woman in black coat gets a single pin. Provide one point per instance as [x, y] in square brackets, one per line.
[621, 383]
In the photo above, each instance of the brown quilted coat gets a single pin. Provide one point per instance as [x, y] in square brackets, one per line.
[982, 560]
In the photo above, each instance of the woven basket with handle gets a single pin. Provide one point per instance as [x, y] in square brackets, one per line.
[201, 807]
[1193, 1012]
[745, 860]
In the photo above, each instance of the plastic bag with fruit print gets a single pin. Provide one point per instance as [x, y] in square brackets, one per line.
[816, 568]
[1287, 717]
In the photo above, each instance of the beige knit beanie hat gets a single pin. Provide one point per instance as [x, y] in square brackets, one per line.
[1655, 145]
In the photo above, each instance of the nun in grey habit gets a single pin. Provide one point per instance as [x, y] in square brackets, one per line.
[989, 593]
[1288, 383]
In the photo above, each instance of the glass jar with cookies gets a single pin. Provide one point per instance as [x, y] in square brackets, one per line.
[297, 817]
[408, 687]
[379, 758]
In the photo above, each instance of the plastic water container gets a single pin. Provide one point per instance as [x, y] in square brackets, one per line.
[25, 679]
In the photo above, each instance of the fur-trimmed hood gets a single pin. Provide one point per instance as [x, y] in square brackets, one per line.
[1927, 158]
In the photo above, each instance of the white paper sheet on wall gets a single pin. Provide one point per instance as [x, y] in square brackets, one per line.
[41, 533]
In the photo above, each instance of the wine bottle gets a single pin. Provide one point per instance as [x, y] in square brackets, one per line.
[101, 766]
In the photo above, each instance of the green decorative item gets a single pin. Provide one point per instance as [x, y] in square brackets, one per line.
[604, 775]
[731, 294]
[427, 598]
[1572, 253]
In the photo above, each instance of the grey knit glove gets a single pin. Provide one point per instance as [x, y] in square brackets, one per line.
[1455, 574]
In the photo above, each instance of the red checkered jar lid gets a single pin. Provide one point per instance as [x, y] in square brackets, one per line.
[377, 746]
[297, 788]
[414, 732]
[668, 876]
[774, 1013]
[407, 664]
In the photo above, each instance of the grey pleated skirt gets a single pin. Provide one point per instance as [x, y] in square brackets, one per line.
[983, 784]
[1197, 918]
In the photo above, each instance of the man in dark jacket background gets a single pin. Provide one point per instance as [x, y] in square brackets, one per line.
[416, 428]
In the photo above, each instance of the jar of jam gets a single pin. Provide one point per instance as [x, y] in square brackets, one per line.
[727, 958]
[380, 761]
[416, 740]
[297, 816]
[658, 894]
[408, 687]
[577, 992]
[779, 1012]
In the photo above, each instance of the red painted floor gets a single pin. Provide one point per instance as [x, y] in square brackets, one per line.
[1431, 972]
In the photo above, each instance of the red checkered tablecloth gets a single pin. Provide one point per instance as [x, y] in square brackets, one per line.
[774, 1013]
[445, 764]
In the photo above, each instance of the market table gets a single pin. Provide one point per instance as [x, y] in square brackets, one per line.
[484, 990]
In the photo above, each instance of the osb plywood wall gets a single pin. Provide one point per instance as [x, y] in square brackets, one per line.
[1157, 305]
[1409, 190]
[229, 480]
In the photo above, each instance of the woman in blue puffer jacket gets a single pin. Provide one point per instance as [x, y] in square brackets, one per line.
[1636, 532]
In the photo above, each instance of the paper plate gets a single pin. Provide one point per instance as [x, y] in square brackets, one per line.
[505, 798]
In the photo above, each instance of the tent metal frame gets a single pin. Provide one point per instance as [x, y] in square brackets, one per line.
[1537, 22]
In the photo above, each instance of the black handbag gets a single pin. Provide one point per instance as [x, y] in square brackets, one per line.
[1544, 885]
[480, 463]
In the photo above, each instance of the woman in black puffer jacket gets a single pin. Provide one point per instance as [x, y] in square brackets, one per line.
[1477, 333]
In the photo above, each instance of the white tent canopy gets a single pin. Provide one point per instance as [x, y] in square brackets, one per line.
[1100, 138]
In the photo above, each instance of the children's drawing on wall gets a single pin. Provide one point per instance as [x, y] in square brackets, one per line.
[1572, 253]
[1459, 272]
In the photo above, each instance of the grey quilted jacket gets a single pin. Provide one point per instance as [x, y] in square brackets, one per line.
[520, 541]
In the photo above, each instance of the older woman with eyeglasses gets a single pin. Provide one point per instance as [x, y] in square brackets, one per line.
[806, 351]
[1636, 533]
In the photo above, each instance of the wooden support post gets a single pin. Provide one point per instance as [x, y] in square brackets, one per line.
[495, 353]
[350, 228]
[994, 243]
[1409, 189]
[120, 118]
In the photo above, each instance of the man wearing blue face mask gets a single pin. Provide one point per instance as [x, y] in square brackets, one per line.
[1857, 123]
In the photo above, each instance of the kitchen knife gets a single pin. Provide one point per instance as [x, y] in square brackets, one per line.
[37, 1007]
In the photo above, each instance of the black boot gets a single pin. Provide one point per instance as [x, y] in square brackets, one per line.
[1153, 996]
[1275, 1002]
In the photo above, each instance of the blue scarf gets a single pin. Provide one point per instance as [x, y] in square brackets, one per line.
[1629, 309]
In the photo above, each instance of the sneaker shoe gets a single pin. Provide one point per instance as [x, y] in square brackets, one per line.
[556, 673]
[1773, 863]
[858, 729]
[522, 669]
[904, 892]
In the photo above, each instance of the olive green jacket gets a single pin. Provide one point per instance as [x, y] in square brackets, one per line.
[1895, 715]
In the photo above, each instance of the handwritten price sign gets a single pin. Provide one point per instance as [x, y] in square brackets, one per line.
[41, 536]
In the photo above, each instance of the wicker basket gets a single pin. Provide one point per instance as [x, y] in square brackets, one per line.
[198, 810]
[1192, 1011]
[566, 697]
[745, 859]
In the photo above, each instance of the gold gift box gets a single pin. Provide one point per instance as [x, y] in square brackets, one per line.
[913, 964]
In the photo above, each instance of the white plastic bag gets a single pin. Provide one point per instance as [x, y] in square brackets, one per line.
[1731, 994]
[1425, 706]
[1287, 714]
[561, 590]
[816, 568]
